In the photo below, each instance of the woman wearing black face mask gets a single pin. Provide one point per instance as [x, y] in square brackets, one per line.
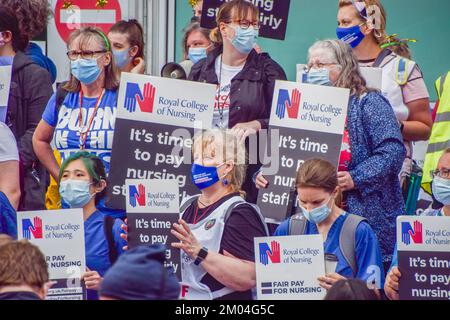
[245, 79]
[362, 24]
[217, 228]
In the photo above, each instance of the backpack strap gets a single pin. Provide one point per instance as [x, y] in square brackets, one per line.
[347, 240]
[297, 225]
[381, 57]
[187, 203]
[61, 94]
[234, 205]
[108, 229]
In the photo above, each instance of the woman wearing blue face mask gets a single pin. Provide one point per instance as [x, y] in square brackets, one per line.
[83, 185]
[217, 227]
[127, 41]
[245, 79]
[441, 193]
[196, 42]
[81, 114]
[317, 187]
[372, 150]
[362, 24]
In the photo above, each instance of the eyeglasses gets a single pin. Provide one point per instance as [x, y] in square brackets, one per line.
[87, 54]
[443, 173]
[245, 24]
[319, 65]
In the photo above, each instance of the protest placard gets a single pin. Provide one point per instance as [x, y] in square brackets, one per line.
[156, 120]
[273, 16]
[373, 76]
[287, 268]
[424, 257]
[59, 234]
[153, 207]
[5, 85]
[307, 121]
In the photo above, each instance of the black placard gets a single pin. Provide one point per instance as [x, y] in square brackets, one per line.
[425, 275]
[138, 149]
[295, 147]
[273, 16]
[154, 228]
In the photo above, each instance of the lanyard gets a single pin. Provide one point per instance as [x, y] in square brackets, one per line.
[196, 218]
[84, 130]
[218, 94]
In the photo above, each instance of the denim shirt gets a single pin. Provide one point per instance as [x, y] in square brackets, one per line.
[378, 153]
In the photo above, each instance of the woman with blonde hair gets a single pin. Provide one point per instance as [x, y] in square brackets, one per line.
[362, 24]
[217, 227]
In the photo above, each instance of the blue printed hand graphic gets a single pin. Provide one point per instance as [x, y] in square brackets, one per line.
[283, 98]
[26, 227]
[132, 94]
[133, 193]
[263, 257]
[406, 228]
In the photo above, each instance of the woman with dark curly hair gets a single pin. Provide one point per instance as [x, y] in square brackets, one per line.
[33, 16]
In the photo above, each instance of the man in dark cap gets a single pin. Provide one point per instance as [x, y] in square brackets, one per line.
[139, 274]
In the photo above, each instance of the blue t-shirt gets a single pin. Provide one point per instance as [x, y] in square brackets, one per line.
[67, 137]
[368, 254]
[97, 249]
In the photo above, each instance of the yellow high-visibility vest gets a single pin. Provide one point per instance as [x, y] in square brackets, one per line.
[440, 135]
[52, 197]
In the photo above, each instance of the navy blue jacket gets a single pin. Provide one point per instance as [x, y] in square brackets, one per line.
[378, 153]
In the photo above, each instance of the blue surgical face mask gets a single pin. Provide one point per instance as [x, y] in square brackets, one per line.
[245, 39]
[204, 177]
[353, 35]
[319, 76]
[122, 58]
[75, 193]
[197, 54]
[441, 190]
[85, 70]
[317, 215]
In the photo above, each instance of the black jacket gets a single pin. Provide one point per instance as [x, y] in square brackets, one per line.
[250, 96]
[31, 88]
[251, 90]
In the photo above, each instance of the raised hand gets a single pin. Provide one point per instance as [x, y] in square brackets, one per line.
[417, 234]
[148, 100]
[294, 105]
